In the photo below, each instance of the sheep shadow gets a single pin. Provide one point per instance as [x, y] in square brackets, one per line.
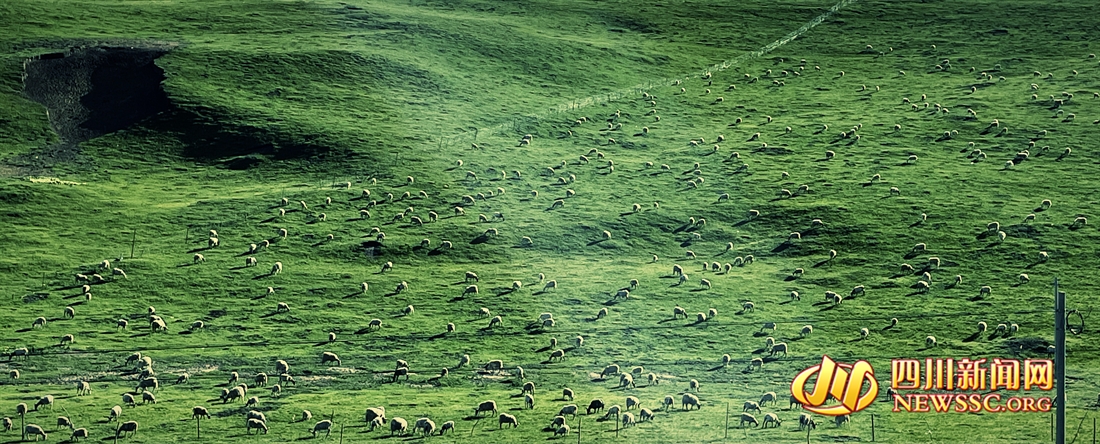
[888, 327]
[975, 298]
[973, 337]
[782, 247]
[714, 369]
[742, 222]
[1033, 264]
[597, 242]
[822, 263]
[480, 240]
[828, 308]
[759, 351]
[916, 293]
[790, 278]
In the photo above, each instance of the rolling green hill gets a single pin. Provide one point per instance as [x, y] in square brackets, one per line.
[870, 123]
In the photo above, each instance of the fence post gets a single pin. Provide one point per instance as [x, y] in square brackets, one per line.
[726, 433]
[133, 242]
[872, 427]
[579, 430]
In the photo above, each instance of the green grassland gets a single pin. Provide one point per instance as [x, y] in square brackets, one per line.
[374, 92]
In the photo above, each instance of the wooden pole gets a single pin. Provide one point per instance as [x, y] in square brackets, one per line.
[726, 435]
[872, 427]
[133, 241]
[198, 427]
[579, 430]
[341, 434]
[616, 425]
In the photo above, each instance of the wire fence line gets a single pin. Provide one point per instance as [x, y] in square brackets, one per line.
[374, 339]
[520, 123]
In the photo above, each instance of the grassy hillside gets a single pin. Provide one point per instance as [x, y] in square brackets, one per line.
[371, 94]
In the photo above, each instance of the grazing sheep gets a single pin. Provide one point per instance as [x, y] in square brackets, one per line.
[779, 347]
[748, 307]
[147, 397]
[768, 326]
[132, 428]
[751, 405]
[551, 284]
[626, 380]
[559, 353]
[398, 425]
[693, 385]
[505, 418]
[842, 419]
[329, 357]
[35, 430]
[79, 433]
[930, 341]
[571, 410]
[747, 418]
[806, 330]
[689, 400]
[704, 284]
[116, 412]
[600, 314]
[44, 401]
[985, 290]
[805, 421]
[771, 418]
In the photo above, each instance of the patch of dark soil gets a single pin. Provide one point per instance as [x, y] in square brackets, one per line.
[97, 90]
[100, 88]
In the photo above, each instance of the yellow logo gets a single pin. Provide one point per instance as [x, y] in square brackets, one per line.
[842, 382]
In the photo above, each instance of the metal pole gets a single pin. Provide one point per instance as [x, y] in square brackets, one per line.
[198, 427]
[341, 434]
[616, 425]
[872, 427]
[133, 241]
[1060, 363]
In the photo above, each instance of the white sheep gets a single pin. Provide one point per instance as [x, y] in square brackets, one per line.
[689, 400]
[930, 341]
[779, 347]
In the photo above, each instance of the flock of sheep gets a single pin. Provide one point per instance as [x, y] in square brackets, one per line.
[416, 208]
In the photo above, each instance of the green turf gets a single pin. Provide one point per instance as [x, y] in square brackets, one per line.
[384, 90]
